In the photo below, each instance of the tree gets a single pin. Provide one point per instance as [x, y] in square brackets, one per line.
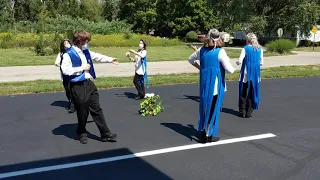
[91, 10]
[141, 13]
[306, 16]
[6, 12]
[191, 15]
[111, 9]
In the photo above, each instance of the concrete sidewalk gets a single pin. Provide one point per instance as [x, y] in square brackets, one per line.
[50, 72]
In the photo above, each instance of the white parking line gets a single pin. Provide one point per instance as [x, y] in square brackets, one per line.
[135, 155]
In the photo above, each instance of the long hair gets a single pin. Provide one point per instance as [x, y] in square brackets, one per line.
[213, 39]
[253, 40]
[63, 49]
[144, 44]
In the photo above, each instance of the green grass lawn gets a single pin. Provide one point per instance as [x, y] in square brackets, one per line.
[25, 57]
[41, 86]
[309, 49]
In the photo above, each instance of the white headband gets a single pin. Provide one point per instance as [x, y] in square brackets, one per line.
[215, 39]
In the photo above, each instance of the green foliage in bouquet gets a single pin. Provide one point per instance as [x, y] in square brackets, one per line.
[151, 105]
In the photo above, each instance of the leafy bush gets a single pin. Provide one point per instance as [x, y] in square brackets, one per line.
[316, 44]
[61, 24]
[49, 46]
[132, 40]
[192, 36]
[281, 46]
[11, 40]
[151, 105]
[305, 43]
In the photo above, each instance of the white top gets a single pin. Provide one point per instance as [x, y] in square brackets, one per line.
[67, 68]
[57, 63]
[223, 58]
[138, 62]
[58, 60]
[240, 60]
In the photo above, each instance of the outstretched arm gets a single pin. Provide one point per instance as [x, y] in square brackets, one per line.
[142, 55]
[194, 47]
[103, 58]
[195, 56]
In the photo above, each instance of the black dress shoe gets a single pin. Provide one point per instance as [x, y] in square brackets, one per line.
[108, 137]
[213, 139]
[203, 137]
[139, 97]
[71, 109]
[249, 113]
[83, 139]
[242, 112]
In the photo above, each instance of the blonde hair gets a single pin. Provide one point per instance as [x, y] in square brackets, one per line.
[253, 40]
[213, 39]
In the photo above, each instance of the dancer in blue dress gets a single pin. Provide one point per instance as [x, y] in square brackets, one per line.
[251, 59]
[213, 62]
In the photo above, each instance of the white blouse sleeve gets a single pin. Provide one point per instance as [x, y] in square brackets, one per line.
[143, 53]
[225, 60]
[100, 57]
[261, 60]
[194, 56]
[242, 55]
[58, 60]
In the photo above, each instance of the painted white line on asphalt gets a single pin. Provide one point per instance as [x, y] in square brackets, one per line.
[135, 155]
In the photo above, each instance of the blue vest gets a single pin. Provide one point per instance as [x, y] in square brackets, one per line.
[76, 62]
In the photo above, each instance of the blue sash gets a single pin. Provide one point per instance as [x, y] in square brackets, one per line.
[76, 62]
[144, 69]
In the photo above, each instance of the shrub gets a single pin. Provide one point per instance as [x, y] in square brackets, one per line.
[305, 43]
[63, 23]
[281, 46]
[97, 40]
[47, 46]
[192, 36]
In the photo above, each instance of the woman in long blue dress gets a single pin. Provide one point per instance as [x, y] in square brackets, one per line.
[251, 59]
[214, 62]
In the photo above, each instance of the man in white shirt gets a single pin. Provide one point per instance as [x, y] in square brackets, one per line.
[77, 69]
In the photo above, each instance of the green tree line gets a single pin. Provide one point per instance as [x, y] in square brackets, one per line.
[168, 17]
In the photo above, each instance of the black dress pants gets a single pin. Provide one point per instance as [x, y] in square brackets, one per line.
[67, 90]
[85, 97]
[139, 86]
[246, 99]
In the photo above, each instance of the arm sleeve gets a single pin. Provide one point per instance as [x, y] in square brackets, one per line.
[143, 53]
[67, 68]
[100, 57]
[58, 60]
[242, 55]
[261, 60]
[194, 56]
[225, 60]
